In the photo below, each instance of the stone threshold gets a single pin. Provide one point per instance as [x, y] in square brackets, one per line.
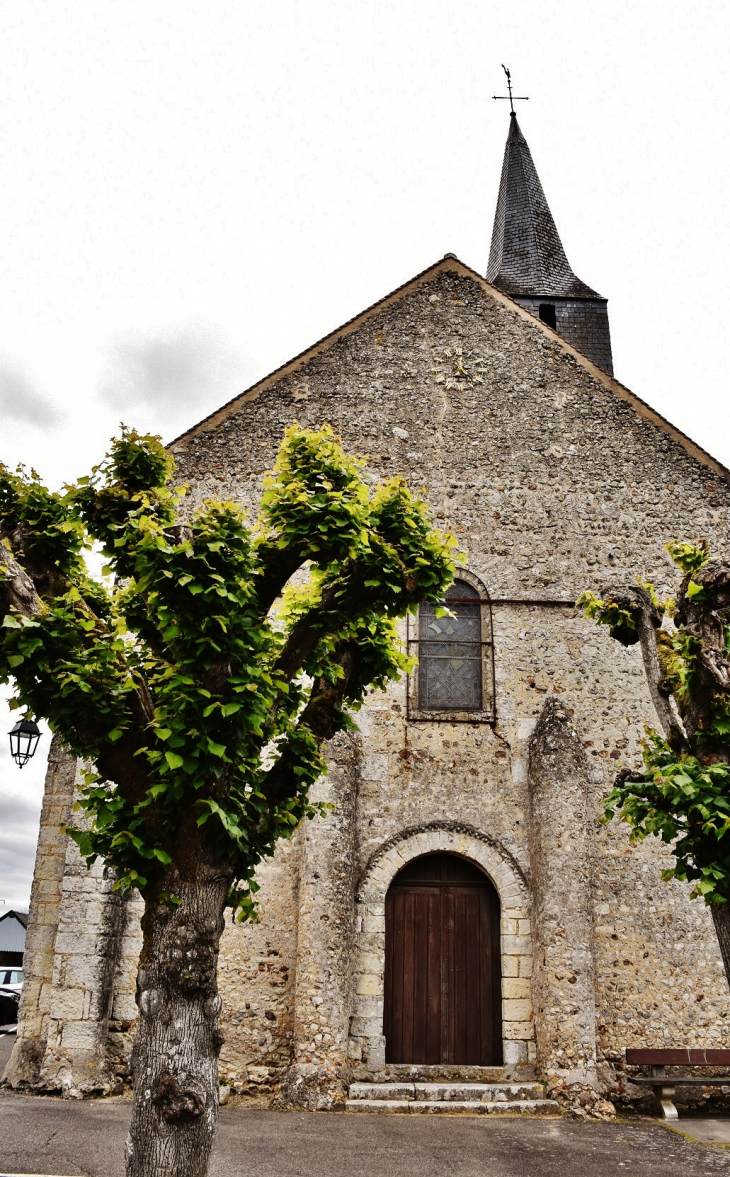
[446, 1073]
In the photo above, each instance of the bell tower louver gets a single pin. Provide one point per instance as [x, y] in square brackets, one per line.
[527, 260]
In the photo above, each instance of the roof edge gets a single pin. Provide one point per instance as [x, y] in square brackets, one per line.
[304, 356]
[20, 916]
[451, 262]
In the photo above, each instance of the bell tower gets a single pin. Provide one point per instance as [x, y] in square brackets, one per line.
[527, 260]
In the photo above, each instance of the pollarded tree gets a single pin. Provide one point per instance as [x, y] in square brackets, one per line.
[200, 689]
[682, 795]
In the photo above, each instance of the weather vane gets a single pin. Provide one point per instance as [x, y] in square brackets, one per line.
[512, 98]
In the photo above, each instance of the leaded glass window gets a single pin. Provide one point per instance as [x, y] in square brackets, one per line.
[450, 653]
[454, 679]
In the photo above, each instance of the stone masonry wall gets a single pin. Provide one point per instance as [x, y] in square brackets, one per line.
[564, 988]
[78, 1011]
[256, 971]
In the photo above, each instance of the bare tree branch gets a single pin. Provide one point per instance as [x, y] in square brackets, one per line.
[647, 619]
[278, 567]
[708, 625]
[319, 715]
[17, 590]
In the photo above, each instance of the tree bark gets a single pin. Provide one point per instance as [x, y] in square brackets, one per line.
[721, 920]
[175, 1055]
[647, 620]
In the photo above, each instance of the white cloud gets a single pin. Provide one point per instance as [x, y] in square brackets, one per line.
[178, 373]
[21, 401]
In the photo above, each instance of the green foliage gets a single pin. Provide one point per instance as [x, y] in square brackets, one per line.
[687, 804]
[677, 652]
[620, 621]
[45, 526]
[180, 682]
[682, 795]
[689, 557]
[316, 499]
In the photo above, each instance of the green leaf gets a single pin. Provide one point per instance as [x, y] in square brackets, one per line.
[152, 626]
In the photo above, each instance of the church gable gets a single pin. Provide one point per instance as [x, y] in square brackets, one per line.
[549, 471]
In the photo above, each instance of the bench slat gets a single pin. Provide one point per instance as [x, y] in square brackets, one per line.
[683, 1056]
[680, 1081]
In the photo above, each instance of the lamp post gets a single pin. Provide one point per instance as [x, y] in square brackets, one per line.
[24, 740]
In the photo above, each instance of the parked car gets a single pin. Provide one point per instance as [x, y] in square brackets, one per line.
[11, 985]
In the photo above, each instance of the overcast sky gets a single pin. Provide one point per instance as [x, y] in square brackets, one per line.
[192, 193]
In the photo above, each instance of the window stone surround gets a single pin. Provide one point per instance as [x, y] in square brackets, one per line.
[367, 1042]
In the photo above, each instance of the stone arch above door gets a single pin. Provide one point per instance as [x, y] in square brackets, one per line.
[367, 1043]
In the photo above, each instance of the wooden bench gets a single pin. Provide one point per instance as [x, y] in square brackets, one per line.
[664, 1085]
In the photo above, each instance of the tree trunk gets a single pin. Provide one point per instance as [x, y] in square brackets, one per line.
[175, 1055]
[721, 920]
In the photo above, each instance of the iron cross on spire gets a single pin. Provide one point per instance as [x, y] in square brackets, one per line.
[512, 98]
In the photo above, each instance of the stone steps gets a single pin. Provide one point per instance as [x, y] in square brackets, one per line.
[465, 1097]
[452, 1073]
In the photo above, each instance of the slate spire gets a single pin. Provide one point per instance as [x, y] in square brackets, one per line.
[527, 260]
[527, 255]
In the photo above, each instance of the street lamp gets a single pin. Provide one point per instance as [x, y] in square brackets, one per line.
[24, 740]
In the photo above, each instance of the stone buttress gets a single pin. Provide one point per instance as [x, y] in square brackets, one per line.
[564, 984]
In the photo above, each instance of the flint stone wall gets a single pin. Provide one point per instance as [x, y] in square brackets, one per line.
[555, 480]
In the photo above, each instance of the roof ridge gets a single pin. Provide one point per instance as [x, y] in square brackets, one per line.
[452, 262]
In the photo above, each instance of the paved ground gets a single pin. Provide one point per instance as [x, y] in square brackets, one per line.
[52, 1136]
[715, 1131]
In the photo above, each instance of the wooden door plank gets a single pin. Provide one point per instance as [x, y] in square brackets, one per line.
[472, 986]
[495, 960]
[432, 968]
[419, 988]
[442, 974]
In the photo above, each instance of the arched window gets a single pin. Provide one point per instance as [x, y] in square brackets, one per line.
[454, 679]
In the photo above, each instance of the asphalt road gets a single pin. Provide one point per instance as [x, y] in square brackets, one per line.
[85, 1139]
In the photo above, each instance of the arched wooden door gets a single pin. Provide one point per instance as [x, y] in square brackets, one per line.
[443, 989]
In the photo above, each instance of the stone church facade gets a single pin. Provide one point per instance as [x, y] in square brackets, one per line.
[495, 398]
